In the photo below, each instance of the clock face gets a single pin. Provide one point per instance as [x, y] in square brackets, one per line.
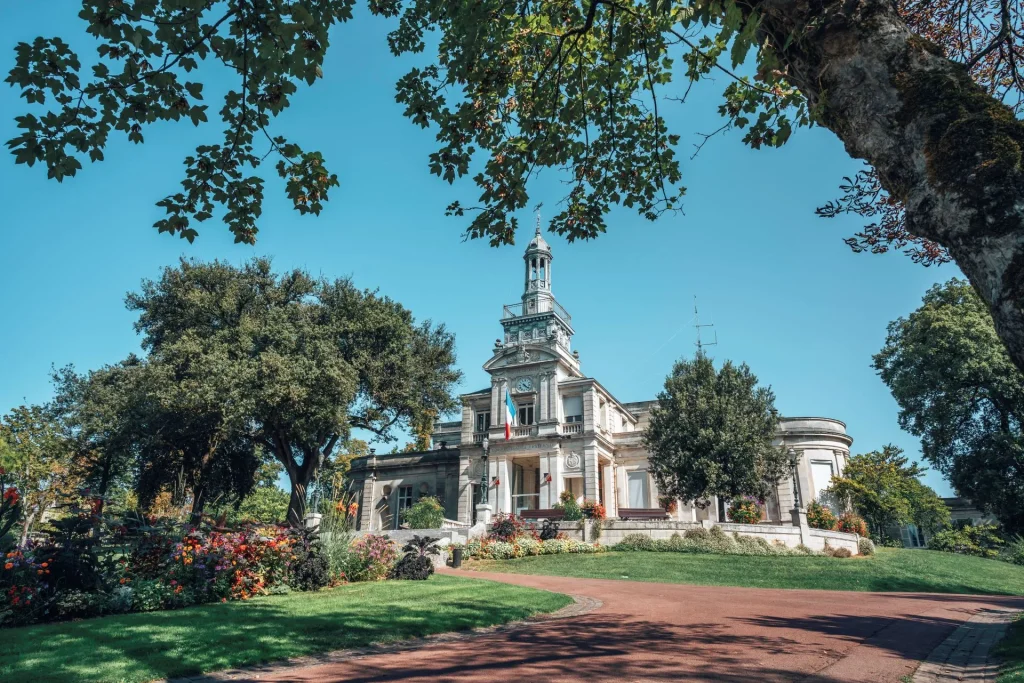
[524, 384]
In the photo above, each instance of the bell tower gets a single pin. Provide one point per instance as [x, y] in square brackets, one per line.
[537, 297]
[538, 323]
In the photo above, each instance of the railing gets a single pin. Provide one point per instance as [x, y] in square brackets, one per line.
[478, 437]
[516, 311]
[572, 428]
[519, 432]
[561, 312]
[452, 524]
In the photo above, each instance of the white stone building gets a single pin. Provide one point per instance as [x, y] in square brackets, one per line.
[571, 433]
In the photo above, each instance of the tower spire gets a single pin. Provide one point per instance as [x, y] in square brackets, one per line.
[537, 232]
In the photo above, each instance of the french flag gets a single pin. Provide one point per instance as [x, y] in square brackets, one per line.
[510, 415]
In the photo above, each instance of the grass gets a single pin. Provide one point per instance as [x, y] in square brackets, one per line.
[1011, 651]
[890, 570]
[144, 647]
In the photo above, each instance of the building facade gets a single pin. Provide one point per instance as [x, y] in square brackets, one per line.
[570, 434]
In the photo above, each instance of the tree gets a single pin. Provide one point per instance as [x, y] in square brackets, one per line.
[711, 434]
[38, 456]
[884, 488]
[959, 391]
[308, 360]
[578, 86]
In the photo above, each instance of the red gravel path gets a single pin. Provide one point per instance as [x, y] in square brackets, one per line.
[671, 632]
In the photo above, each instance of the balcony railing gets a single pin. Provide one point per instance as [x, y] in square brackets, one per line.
[572, 428]
[520, 432]
[478, 437]
[516, 311]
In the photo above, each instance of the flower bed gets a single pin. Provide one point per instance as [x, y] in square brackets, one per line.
[524, 546]
[90, 566]
[713, 541]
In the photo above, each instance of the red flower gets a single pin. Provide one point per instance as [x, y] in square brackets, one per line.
[11, 496]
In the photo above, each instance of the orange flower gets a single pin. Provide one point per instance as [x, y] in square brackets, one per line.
[45, 565]
[8, 566]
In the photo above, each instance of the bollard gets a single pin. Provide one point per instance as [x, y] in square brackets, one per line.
[457, 558]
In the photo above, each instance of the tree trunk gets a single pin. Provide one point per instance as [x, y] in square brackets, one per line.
[300, 477]
[948, 150]
[26, 527]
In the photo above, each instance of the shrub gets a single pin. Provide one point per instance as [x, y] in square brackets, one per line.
[636, 542]
[697, 533]
[311, 570]
[425, 513]
[413, 567]
[1015, 550]
[842, 552]
[507, 527]
[568, 505]
[745, 511]
[865, 546]
[980, 541]
[820, 517]
[852, 524]
[372, 558]
[886, 541]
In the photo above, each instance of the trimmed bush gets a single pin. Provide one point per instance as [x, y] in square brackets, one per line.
[636, 542]
[425, 513]
[745, 511]
[866, 546]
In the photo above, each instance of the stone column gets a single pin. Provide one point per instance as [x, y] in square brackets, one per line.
[590, 465]
[468, 425]
[366, 504]
[557, 475]
[609, 491]
[620, 473]
[464, 490]
[504, 488]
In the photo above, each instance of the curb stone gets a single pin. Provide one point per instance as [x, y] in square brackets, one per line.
[966, 655]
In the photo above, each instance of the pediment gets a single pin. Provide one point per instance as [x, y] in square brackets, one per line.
[521, 355]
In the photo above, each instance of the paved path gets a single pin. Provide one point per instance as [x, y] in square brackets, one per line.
[966, 655]
[672, 632]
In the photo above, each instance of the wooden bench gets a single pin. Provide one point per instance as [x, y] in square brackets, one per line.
[642, 513]
[542, 514]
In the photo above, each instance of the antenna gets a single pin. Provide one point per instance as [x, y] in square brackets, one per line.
[697, 325]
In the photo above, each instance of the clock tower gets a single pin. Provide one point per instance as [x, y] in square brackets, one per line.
[535, 352]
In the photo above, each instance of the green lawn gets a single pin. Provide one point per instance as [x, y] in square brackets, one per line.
[889, 570]
[1011, 651]
[143, 647]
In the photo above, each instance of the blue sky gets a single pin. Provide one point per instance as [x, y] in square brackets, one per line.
[785, 294]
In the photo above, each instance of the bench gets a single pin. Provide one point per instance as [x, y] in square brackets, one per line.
[642, 513]
[542, 514]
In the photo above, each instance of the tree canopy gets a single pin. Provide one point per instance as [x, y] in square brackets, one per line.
[711, 434]
[884, 488]
[926, 93]
[307, 360]
[38, 455]
[958, 390]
